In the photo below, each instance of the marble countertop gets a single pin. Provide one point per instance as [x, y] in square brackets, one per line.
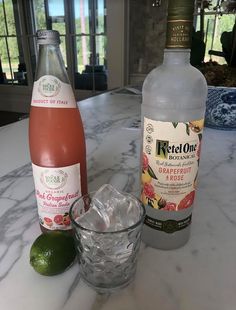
[199, 276]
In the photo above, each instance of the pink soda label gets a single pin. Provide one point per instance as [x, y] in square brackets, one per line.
[56, 189]
[50, 92]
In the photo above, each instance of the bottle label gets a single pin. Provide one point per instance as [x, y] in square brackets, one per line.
[56, 189]
[171, 154]
[168, 226]
[50, 92]
[179, 34]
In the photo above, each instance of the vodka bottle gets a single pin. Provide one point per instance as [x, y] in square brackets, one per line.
[173, 108]
[56, 137]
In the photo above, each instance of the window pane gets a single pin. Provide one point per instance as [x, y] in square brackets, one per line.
[100, 22]
[101, 50]
[18, 68]
[83, 52]
[208, 29]
[81, 16]
[14, 53]
[4, 58]
[10, 17]
[3, 27]
[56, 7]
[11, 51]
[59, 25]
[224, 24]
[39, 14]
[90, 19]
[56, 20]
[88, 76]
[57, 15]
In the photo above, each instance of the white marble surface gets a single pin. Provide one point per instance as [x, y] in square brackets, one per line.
[13, 146]
[199, 276]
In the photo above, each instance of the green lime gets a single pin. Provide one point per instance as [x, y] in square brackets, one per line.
[52, 253]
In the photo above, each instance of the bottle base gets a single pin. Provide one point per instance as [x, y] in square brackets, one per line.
[164, 241]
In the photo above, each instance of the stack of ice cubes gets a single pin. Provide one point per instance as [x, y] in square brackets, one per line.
[110, 210]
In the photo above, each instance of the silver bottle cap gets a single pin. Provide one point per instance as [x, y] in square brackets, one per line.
[48, 37]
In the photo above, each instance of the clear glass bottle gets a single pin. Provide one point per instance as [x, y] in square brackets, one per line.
[56, 137]
[173, 108]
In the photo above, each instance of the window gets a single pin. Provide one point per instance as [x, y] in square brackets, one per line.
[39, 14]
[90, 38]
[51, 15]
[82, 33]
[90, 30]
[215, 22]
[12, 65]
[82, 27]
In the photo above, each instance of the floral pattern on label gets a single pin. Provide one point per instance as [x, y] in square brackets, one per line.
[171, 154]
[50, 92]
[56, 189]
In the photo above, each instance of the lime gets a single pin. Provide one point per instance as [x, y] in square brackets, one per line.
[52, 253]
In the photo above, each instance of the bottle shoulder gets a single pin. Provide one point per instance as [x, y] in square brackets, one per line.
[166, 84]
[175, 76]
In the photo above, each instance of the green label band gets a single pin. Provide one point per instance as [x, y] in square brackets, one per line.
[169, 226]
[179, 34]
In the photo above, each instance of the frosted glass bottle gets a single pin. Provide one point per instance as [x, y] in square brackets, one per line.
[173, 108]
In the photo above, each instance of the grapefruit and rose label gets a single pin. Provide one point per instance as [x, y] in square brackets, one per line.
[56, 189]
[50, 92]
[171, 153]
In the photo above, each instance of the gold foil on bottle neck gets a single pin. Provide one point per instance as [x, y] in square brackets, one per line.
[179, 24]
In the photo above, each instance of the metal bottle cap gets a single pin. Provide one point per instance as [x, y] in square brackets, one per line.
[48, 37]
[180, 9]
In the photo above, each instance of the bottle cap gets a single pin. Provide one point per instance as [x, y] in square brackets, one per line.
[180, 9]
[48, 37]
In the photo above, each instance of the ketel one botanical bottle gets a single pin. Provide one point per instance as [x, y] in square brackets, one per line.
[174, 96]
[56, 137]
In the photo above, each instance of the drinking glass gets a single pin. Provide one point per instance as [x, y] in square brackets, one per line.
[107, 259]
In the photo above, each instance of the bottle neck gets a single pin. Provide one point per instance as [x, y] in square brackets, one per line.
[176, 57]
[50, 62]
[179, 34]
[179, 24]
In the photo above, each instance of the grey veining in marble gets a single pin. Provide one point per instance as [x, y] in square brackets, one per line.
[201, 275]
